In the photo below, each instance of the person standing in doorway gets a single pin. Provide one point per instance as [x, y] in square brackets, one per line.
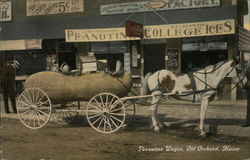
[8, 85]
[118, 67]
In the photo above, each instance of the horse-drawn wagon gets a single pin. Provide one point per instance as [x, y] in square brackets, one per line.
[106, 94]
[47, 95]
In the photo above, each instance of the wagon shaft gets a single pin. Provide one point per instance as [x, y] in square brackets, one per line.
[64, 88]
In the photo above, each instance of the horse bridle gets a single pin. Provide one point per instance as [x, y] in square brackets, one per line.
[240, 79]
[234, 67]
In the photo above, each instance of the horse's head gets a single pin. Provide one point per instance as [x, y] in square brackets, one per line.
[238, 73]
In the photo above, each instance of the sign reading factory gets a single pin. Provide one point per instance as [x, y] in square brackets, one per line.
[156, 5]
[209, 28]
[47, 7]
[5, 11]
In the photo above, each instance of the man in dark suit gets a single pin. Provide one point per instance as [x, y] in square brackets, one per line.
[8, 85]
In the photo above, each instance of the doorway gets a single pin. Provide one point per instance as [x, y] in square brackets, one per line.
[154, 57]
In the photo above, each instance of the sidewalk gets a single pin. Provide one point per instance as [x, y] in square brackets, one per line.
[223, 117]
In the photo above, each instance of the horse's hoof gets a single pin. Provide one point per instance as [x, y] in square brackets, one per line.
[162, 125]
[157, 129]
[203, 134]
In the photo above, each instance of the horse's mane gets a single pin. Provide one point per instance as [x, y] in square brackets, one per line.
[212, 67]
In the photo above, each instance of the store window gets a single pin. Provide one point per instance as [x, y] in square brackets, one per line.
[199, 52]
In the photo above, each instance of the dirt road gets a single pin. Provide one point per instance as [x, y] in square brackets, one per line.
[78, 141]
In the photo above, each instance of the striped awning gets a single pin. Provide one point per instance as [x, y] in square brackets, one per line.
[243, 39]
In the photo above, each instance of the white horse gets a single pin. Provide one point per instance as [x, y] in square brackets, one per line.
[200, 86]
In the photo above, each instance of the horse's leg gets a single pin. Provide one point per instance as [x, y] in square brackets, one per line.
[204, 104]
[153, 111]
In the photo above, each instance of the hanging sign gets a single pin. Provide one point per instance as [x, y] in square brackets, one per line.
[97, 35]
[149, 6]
[47, 7]
[5, 11]
[133, 29]
[208, 28]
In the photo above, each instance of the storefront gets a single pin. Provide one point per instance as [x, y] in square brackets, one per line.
[177, 34]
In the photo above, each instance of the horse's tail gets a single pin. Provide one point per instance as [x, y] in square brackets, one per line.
[145, 87]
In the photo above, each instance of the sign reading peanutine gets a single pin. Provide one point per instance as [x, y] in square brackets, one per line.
[47, 7]
[208, 28]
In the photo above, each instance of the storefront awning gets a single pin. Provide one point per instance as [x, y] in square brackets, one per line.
[11, 45]
[243, 39]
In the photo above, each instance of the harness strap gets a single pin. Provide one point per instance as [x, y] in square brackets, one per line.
[158, 87]
[205, 79]
[193, 84]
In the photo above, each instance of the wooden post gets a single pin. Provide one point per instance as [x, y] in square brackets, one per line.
[142, 58]
[248, 97]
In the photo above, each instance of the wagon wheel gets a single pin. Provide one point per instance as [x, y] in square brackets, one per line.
[64, 114]
[34, 108]
[130, 111]
[106, 113]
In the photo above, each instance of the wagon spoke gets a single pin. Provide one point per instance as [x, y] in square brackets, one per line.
[97, 120]
[100, 121]
[101, 101]
[97, 103]
[26, 116]
[27, 111]
[41, 104]
[43, 113]
[95, 116]
[110, 126]
[29, 97]
[26, 99]
[40, 99]
[24, 103]
[111, 102]
[31, 116]
[117, 114]
[113, 122]
[104, 125]
[38, 120]
[33, 95]
[113, 105]
[37, 96]
[116, 118]
[41, 116]
[114, 110]
[107, 98]
[68, 114]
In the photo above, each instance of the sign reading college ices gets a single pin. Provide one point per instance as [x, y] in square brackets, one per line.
[5, 11]
[47, 7]
[149, 6]
[208, 28]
